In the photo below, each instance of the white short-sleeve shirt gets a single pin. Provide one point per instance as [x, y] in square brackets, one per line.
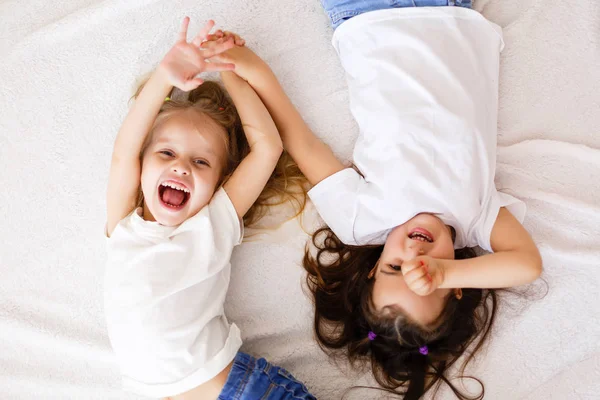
[423, 88]
[163, 299]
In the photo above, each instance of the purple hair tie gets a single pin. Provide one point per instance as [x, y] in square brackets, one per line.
[424, 350]
[372, 335]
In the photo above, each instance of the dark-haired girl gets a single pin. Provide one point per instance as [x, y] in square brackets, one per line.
[395, 280]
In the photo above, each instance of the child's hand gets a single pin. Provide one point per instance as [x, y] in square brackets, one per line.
[219, 34]
[423, 274]
[245, 60]
[186, 59]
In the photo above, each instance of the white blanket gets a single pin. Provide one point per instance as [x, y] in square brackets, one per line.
[67, 70]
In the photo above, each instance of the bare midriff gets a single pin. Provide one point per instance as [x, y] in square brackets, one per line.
[208, 390]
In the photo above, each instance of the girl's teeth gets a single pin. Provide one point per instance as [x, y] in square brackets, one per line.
[420, 237]
[172, 185]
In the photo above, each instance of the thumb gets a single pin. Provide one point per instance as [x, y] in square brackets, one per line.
[191, 84]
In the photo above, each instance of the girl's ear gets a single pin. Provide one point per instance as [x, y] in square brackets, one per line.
[372, 272]
[458, 293]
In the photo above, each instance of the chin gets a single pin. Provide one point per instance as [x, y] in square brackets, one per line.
[170, 221]
[166, 217]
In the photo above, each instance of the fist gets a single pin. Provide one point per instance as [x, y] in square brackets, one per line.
[423, 274]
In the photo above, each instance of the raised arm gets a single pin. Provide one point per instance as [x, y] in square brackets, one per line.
[179, 68]
[516, 260]
[125, 168]
[315, 158]
[250, 177]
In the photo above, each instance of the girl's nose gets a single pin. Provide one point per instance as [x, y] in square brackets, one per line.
[180, 168]
[414, 251]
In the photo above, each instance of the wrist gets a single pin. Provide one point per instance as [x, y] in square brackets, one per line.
[448, 272]
[160, 79]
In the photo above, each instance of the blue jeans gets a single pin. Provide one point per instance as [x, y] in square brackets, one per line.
[342, 10]
[252, 379]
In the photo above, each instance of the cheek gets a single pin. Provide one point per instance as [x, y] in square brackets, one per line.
[206, 182]
[396, 238]
[381, 294]
[149, 175]
[390, 290]
[446, 249]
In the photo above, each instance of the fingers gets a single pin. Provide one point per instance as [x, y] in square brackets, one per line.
[203, 33]
[237, 39]
[213, 44]
[211, 38]
[210, 49]
[415, 275]
[191, 84]
[422, 287]
[182, 36]
[418, 279]
[219, 33]
[410, 265]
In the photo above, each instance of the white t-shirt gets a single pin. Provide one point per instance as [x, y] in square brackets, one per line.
[423, 87]
[163, 299]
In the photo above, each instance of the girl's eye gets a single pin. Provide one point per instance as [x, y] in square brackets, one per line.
[395, 267]
[168, 153]
[202, 162]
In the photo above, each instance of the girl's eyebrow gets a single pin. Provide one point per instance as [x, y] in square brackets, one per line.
[165, 140]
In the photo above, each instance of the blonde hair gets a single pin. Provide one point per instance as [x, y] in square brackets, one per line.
[286, 184]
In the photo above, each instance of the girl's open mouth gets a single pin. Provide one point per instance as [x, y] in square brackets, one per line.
[421, 235]
[173, 196]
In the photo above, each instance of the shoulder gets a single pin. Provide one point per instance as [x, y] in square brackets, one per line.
[336, 199]
[344, 180]
[514, 209]
[218, 216]
[131, 225]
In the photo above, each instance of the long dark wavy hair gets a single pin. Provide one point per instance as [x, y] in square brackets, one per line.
[338, 278]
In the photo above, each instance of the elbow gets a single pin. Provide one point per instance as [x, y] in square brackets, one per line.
[276, 147]
[270, 152]
[275, 150]
[536, 271]
[269, 146]
[534, 266]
